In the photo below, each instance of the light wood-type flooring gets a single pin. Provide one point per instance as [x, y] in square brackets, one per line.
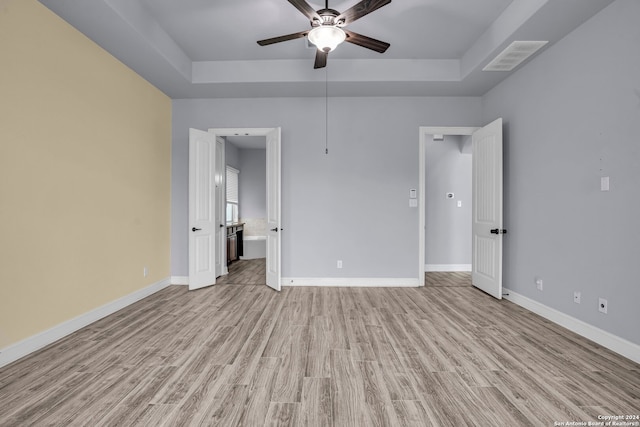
[246, 355]
[245, 272]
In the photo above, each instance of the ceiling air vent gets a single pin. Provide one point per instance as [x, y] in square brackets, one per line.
[513, 55]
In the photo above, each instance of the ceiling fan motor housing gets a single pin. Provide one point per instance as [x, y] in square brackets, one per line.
[328, 18]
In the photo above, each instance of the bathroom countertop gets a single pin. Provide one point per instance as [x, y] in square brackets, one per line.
[235, 224]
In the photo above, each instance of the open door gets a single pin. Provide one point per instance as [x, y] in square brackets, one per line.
[487, 209]
[273, 209]
[202, 209]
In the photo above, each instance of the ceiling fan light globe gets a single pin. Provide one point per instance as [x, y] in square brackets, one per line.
[326, 37]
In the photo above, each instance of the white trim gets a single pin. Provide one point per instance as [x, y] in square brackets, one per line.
[370, 282]
[241, 131]
[36, 342]
[422, 175]
[180, 280]
[447, 267]
[606, 339]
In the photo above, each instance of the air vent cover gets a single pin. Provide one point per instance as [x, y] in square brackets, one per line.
[513, 55]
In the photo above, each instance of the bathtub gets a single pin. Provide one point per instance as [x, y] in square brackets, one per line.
[254, 247]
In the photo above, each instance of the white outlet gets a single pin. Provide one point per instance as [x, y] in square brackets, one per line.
[576, 297]
[339, 265]
[145, 271]
[539, 284]
[602, 305]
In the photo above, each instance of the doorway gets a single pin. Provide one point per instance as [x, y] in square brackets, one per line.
[246, 163]
[271, 138]
[487, 226]
[204, 253]
[448, 204]
[426, 136]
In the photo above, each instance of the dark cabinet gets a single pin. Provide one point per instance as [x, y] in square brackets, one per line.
[234, 242]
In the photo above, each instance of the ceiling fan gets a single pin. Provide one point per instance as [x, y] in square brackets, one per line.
[327, 28]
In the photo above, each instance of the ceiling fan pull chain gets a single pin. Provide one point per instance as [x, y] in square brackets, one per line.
[326, 110]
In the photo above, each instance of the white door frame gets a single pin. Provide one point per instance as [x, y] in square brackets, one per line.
[422, 175]
[221, 186]
[222, 132]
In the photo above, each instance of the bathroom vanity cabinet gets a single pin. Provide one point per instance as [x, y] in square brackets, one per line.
[234, 241]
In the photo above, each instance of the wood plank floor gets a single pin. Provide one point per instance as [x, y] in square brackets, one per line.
[245, 272]
[246, 355]
[447, 279]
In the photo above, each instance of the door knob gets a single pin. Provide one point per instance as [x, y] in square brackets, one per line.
[195, 229]
[498, 231]
[221, 225]
[275, 229]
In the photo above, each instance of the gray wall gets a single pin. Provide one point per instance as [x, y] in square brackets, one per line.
[253, 183]
[447, 227]
[571, 116]
[351, 204]
[231, 156]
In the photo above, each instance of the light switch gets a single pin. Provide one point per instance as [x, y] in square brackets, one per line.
[413, 194]
[459, 203]
[604, 183]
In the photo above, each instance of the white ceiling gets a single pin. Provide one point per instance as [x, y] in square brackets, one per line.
[207, 48]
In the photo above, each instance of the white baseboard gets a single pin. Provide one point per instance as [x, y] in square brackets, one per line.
[36, 342]
[180, 280]
[371, 282]
[447, 267]
[606, 339]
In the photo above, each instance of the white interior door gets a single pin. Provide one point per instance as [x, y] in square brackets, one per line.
[202, 209]
[220, 196]
[487, 209]
[273, 209]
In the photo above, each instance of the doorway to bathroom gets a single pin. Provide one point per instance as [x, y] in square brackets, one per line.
[199, 174]
[257, 155]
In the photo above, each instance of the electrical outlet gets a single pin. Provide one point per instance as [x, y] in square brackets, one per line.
[539, 284]
[339, 263]
[602, 305]
[576, 297]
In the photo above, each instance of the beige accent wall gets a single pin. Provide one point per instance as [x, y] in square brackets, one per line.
[84, 174]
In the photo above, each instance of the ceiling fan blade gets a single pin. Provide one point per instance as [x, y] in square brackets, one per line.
[361, 9]
[306, 9]
[364, 41]
[321, 59]
[283, 38]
